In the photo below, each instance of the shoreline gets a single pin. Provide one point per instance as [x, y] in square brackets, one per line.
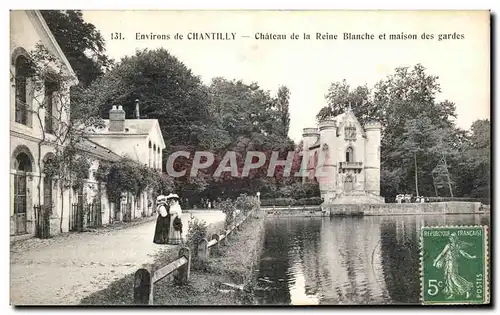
[225, 278]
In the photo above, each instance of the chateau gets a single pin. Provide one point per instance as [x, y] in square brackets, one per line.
[344, 158]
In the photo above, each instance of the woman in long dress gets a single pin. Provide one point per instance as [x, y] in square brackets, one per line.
[455, 284]
[175, 232]
[162, 222]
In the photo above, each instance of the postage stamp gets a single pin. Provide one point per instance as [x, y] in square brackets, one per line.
[454, 265]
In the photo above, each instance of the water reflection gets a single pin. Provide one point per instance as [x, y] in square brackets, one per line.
[351, 260]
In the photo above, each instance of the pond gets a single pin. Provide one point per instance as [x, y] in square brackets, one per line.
[345, 260]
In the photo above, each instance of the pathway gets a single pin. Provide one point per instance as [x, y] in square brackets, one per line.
[66, 270]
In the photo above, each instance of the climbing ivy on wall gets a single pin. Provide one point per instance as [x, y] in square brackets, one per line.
[128, 176]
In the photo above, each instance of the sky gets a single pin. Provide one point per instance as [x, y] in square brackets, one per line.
[308, 67]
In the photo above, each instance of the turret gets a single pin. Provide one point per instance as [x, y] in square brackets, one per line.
[327, 157]
[309, 137]
[372, 157]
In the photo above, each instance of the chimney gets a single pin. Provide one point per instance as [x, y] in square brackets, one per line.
[117, 119]
[137, 113]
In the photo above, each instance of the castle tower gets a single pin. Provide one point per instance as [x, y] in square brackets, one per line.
[309, 137]
[328, 158]
[372, 157]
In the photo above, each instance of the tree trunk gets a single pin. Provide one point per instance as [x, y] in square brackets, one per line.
[416, 176]
[434, 184]
[448, 176]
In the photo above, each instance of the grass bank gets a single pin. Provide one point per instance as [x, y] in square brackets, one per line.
[233, 264]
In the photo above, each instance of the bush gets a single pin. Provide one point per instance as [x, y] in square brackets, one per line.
[279, 202]
[312, 201]
[229, 208]
[246, 203]
[197, 230]
[285, 202]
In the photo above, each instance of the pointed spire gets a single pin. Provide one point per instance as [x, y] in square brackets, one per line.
[349, 109]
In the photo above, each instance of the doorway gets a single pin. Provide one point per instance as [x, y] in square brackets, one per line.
[23, 166]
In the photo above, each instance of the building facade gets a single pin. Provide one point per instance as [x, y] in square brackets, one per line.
[39, 112]
[138, 139]
[32, 123]
[344, 158]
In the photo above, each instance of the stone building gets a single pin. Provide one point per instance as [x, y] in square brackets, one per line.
[344, 158]
[138, 139]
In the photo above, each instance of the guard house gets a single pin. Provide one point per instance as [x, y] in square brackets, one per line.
[344, 158]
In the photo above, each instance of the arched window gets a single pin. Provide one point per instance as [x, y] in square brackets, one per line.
[349, 155]
[22, 71]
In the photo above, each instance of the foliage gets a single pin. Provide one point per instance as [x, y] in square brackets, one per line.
[197, 230]
[246, 203]
[81, 43]
[129, 176]
[310, 201]
[282, 108]
[285, 202]
[277, 202]
[340, 97]
[228, 207]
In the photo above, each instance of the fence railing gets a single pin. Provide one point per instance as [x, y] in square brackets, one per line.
[146, 277]
[205, 247]
[85, 216]
[42, 220]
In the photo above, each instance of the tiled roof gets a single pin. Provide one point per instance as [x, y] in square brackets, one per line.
[97, 150]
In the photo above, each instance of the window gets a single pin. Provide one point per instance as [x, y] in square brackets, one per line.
[21, 88]
[349, 155]
[50, 88]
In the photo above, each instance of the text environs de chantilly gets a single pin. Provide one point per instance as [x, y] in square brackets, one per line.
[187, 36]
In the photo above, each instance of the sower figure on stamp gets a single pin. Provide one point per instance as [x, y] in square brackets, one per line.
[175, 231]
[448, 260]
[162, 222]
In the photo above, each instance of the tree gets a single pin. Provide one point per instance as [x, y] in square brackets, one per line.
[282, 104]
[80, 42]
[166, 89]
[475, 165]
[340, 97]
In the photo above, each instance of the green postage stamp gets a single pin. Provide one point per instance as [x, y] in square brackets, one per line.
[454, 265]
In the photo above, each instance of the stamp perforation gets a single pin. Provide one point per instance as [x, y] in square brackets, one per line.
[486, 264]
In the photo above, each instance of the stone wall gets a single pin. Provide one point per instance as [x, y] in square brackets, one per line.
[405, 208]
